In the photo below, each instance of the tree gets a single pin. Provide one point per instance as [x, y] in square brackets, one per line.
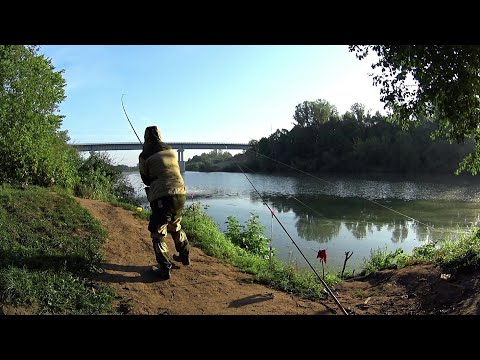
[314, 113]
[32, 149]
[437, 82]
[358, 111]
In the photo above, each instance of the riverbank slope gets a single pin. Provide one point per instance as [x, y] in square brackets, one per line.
[209, 286]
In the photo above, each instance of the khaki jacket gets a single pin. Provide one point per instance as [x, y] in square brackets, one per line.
[159, 167]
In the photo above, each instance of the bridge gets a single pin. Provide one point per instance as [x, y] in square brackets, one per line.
[179, 146]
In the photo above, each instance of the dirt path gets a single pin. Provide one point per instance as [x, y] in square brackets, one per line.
[209, 286]
[206, 286]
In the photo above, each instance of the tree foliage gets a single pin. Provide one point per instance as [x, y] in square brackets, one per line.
[32, 147]
[354, 142]
[438, 82]
[314, 113]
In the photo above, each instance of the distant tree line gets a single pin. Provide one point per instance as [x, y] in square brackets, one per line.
[126, 168]
[212, 161]
[321, 140]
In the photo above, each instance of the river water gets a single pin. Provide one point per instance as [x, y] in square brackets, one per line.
[338, 213]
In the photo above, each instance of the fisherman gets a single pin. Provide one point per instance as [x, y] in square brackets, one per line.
[166, 193]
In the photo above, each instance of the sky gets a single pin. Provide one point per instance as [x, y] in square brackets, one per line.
[200, 93]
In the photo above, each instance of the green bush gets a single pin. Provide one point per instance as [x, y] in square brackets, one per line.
[99, 179]
[249, 236]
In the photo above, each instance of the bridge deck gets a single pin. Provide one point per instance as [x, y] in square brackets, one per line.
[174, 145]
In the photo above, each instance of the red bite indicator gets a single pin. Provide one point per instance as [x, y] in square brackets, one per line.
[322, 255]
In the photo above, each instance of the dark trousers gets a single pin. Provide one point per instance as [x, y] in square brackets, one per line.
[166, 218]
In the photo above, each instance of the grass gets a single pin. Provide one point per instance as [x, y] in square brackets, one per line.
[49, 250]
[382, 259]
[462, 255]
[457, 256]
[144, 214]
[203, 233]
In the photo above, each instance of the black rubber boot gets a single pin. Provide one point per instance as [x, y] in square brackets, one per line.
[184, 259]
[164, 265]
[164, 273]
[182, 246]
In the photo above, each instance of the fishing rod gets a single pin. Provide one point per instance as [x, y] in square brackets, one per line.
[325, 285]
[130, 121]
[125, 111]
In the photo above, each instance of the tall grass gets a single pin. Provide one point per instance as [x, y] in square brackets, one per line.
[382, 259]
[460, 255]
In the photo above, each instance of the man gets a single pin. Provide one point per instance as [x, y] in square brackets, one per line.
[166, 193]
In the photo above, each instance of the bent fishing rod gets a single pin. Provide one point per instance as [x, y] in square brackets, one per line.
[125, 111]
[130, 121]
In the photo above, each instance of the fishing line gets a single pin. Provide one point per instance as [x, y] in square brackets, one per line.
[327, 221]
[330, 183]
[323, 216]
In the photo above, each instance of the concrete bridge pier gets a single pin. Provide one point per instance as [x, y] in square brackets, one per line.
[181, 162]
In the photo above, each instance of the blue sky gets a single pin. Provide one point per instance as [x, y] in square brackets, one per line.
[218, 93]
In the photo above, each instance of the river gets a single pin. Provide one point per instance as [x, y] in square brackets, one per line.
[338, 213]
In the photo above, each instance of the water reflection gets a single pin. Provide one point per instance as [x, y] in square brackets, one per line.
[322, 220]
[399, 230]
[308, 228]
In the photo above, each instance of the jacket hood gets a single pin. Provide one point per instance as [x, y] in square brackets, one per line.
[152, 135]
